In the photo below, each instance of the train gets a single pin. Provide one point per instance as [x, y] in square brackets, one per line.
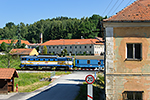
[63, 63]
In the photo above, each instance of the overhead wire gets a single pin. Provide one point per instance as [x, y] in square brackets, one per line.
[124, 7]
[107, 7]
[118, 6]
[113, 7]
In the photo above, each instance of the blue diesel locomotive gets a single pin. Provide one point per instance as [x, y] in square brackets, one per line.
[46, 61]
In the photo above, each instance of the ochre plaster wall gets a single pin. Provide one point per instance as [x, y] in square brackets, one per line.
[34, 52]
[130, 75]
[122, 36]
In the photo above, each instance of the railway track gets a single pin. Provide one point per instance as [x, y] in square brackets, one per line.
[54, 70]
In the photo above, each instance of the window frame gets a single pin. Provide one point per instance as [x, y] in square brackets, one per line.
[133, 93]
[88, 61]
[133, 53]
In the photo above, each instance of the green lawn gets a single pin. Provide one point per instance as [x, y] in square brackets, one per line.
[28, 82]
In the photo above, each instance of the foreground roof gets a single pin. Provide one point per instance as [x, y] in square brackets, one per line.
[137, 11]
[72, 42]
[8, 73]
[21, 51]
[15, 41]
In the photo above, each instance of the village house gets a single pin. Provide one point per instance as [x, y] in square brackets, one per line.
[24, 52]
[127, 59]
[74, 46]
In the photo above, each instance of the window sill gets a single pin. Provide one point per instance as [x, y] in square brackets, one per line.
[130, 59]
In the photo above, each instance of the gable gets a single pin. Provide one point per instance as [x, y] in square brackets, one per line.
[8, 73]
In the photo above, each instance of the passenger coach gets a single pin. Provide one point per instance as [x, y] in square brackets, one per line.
[91, 62]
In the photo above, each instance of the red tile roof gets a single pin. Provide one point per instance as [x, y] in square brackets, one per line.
[21, 51]
[71, 42]
[137, 11]
[8, 73]
[15, 41]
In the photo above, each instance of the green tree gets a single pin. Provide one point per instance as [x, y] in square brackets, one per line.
[10, 24]
[23, 30]
[44, 49]
[3, 46]
[37, 48]
[55, 28]
[8, 61]
[23, 45]
[64, 52]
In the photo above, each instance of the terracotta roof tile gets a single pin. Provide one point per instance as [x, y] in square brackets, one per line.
[21, 51]
[71, 42]
[7, 73]
[137, 11]
[15, 41]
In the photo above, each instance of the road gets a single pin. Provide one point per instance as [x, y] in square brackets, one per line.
[64, 88]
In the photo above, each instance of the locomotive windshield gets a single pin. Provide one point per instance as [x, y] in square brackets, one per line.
[23, 59]
[69, 59]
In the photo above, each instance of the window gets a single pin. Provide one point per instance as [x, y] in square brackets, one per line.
[75, 46]
[132, 95]
[90, 52]
[134, 51]
[80, 47]
[85, 46]
[88, 61]
[77, 61]
[70, 47]
[99, 62]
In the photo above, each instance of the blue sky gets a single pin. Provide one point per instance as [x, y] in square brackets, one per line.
[30, 11]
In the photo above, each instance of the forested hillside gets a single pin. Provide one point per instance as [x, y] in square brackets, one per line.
[56, 28]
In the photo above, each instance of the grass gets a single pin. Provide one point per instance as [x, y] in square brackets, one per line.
[28, 82]
[98, 90]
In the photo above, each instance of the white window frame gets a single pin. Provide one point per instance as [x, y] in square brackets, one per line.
[133, 52]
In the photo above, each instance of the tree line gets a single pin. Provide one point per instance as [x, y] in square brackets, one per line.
[55, 28]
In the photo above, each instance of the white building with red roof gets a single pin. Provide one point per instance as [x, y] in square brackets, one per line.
[74, 46]
[15, 41]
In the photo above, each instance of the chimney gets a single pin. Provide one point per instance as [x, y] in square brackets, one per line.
[41, 38]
